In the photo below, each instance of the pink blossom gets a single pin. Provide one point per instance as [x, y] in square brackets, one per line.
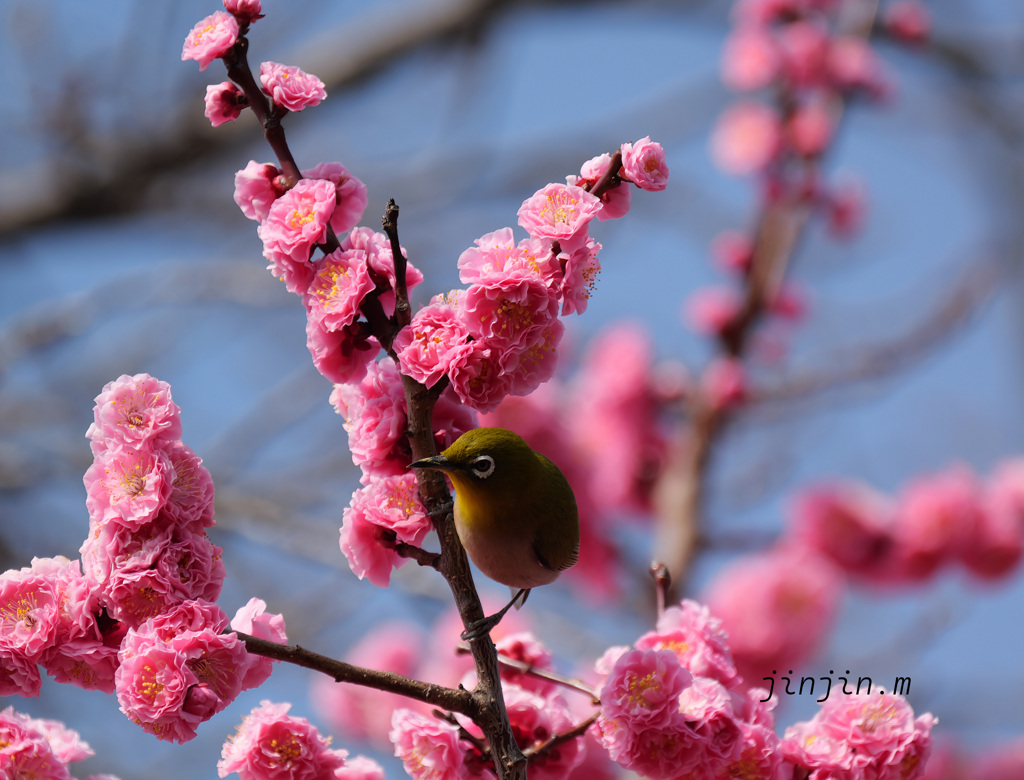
[872, 735]
[19, 674]
[36, 748]
[746, 138]
[707, 708]
[644, 164]
[430, 749]
[256, 189]
[750, 60]
[579, 277]
[382, 262]
[351, 194]
[697, 639]
[290, 87]
[89, 663]
[132, 410]
[174, 675]
[533, 361]
[386, 504]
[341, 283]
[190, 502]
[559, 212]
[853, 66]
[809, 130]
[435, 340]
[804, 45]
[724, 384]
[246, 11]
[733, 250]
[342, 356]
[29, 611]
[298, 220]
[224, 103]
[270, 743]
[374, 413]
[759, 757]
[936, 516]
[145, 572]
[776, 607]
[211, 38]
[497, 257]
[507, 312]
[658, 754]
[712, 310]
[614, 201]
[997, 544]
[642, 691]
[908, 21]
[535, 719]
[525, 648]
[846, 521]
[128, 486]
[617, 418]
[477, 378]
[253, 619]
[365, 713]
[360, 768]
[789, 302]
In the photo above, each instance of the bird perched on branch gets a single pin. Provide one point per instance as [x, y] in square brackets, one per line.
[514, 512]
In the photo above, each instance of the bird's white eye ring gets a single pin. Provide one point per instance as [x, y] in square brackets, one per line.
[483, 466]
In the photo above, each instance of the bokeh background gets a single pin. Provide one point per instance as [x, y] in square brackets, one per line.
[121, 251]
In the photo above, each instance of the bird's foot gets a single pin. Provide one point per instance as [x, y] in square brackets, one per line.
[478, 629]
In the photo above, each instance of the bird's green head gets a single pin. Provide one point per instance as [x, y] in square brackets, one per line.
[484, 457]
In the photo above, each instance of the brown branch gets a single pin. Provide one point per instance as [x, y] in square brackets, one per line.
[453, 699]
[560, 739]
[572, 683]
[679, 491]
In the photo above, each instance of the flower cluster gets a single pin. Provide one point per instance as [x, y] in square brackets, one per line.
[150, 502]
[135, 615]
[43, 749]
[177, 670]
[672, 706]
[861, 736]
[935, 520]
[270, 743]
[499, 336]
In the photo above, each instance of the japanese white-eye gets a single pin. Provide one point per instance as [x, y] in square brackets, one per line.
[514, 511]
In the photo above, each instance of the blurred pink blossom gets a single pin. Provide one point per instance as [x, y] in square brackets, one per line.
[733, 250]
[908, 21]
[746, 138]
[997, 544]
[711, 310]
[244, 10]
[750, 59]
[776, 606]
[809, 130]
[724, 384]
[253, 619]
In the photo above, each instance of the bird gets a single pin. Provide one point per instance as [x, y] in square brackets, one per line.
[515, 513]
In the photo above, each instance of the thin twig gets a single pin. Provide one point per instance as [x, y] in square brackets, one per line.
[559, 739]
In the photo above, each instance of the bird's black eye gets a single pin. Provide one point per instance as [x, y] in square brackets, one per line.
[483, 466]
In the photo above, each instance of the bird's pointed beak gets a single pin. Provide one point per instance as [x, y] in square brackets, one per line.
[438, 462]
